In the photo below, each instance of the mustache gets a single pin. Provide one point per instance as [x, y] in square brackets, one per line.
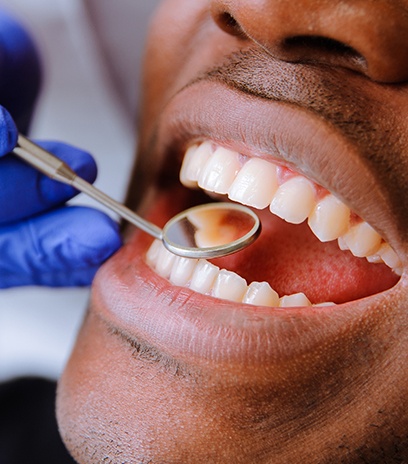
[320, 89]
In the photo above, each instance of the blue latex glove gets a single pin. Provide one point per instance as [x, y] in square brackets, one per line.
[20, 71]
[43, 242]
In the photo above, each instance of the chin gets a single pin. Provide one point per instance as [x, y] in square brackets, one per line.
[292, 350]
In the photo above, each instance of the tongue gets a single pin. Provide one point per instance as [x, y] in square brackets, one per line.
[293, 260]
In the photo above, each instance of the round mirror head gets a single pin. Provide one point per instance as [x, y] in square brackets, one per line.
[211, 230]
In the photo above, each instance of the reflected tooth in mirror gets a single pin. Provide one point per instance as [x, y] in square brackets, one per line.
[215, 227]
[255, 184]
[220, 170]
[229, 286]
[294, 200]
[261, 293]
[204, 276]
[164, 263]
[329, 219]
[362, 240]
[182, 270]
[297, 299]
[195, 158]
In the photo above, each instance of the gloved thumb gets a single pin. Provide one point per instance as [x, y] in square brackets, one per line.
[8, 132]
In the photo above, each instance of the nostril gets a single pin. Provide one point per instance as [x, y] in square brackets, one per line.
[324, 44]
[312, 48]
[229, 24]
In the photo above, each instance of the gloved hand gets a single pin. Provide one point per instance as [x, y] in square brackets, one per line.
[43, 242]
[20, 71]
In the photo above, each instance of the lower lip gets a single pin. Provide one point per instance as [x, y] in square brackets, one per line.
[185, 325]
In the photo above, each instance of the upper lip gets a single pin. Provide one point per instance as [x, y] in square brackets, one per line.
[284, 132]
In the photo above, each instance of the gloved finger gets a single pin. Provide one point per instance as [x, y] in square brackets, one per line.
[8, 132]
[24, 191]
[64, 247]
[20, 70]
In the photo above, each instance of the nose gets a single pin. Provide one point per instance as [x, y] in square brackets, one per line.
[370, 37]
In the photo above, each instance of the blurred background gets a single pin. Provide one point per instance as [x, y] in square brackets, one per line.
[91, 52]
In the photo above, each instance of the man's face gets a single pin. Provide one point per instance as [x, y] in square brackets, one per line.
[298, 109]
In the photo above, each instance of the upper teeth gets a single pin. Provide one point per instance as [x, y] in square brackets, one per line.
[259, 183]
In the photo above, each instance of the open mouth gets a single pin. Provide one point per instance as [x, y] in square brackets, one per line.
[313, 249]
[257, 306]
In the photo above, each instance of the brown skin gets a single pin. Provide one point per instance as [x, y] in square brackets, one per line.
[256, 385]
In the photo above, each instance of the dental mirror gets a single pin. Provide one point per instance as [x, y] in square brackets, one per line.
[205, 231]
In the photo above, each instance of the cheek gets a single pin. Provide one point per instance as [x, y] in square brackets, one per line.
[172, 31]
[183, 42]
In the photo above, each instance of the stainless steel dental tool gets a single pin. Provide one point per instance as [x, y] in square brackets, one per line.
[205, 231]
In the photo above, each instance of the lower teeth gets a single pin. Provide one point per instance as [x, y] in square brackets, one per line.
[206, 278]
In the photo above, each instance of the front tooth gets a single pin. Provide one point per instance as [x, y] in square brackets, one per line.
[153, 252]
[255, 184]
[297, 299]
[182, 270]
[204, 276]
[194, 160]
[261, 294]
[165, 261]
[229, 286]
[329, 219]
[362, 240]
[220, 170]
[294, 200]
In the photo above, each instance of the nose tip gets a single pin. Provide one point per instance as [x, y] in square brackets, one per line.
[364, 36]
